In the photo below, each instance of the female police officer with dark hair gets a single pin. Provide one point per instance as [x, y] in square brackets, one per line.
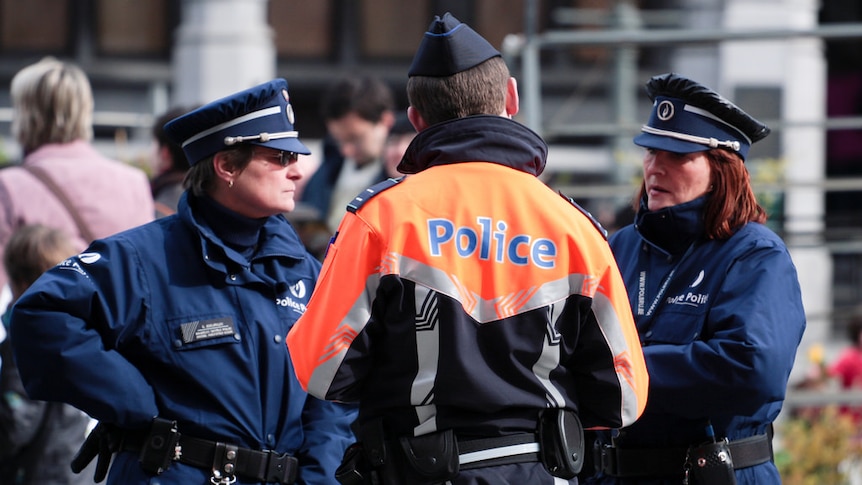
[184, 319]
[715, 297]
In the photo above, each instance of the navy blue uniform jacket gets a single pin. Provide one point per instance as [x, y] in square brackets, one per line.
[721, 340]
[167, 320]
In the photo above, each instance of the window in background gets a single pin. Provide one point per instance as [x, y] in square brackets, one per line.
[392, 29]
[36, 27]
[495, 19]
[132, 28]
[303, 29]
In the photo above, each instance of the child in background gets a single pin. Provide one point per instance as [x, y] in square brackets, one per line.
[37, 439]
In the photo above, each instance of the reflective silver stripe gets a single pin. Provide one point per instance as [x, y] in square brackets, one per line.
[710, 142]
[549, 360]
[500, 452]
[427, 321]
[227, 124]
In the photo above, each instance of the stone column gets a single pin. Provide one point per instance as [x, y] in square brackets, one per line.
[220, 47]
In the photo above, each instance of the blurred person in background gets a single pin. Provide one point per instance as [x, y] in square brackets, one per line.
[37, 439]
[400, 136]
[170, 167]
[359, 112]
[63, 181]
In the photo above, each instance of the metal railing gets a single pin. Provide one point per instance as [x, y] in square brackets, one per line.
[628, 32]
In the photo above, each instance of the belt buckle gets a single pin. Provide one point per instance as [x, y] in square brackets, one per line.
[281, 467]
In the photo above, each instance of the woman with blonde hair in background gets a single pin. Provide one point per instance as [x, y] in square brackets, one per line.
[63, 181]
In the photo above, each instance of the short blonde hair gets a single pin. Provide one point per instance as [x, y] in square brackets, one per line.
[53, 103]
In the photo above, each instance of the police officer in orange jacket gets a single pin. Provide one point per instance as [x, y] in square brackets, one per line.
[476, 316]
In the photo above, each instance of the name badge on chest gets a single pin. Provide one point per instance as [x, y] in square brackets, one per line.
[207, 329]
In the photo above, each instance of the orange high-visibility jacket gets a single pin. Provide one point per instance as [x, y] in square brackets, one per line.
[470, 296]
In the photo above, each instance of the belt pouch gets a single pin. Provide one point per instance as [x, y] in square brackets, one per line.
[355, 468]
[423, 460]
[159, 448]
[711, 464]
[561, 442]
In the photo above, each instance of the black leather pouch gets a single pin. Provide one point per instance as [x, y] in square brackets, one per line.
[711, 464]
[423, 460]
[561, 438]
[355, 468]
[159, 448]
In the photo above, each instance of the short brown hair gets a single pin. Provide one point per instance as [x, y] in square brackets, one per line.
[732, 202]
[367, 96]
[201, 177]
[32, 250]
[478, 90]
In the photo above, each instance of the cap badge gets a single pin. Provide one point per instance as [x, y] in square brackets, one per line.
[664, 110]
[288, 110]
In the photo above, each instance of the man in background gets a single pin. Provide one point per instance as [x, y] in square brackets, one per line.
[358, 112]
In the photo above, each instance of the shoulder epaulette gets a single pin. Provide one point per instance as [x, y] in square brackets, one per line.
[370, 192]
[592, 219]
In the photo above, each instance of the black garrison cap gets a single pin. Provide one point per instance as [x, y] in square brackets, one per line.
[449, 47]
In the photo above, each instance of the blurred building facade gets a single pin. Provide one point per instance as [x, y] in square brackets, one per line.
[581, 65]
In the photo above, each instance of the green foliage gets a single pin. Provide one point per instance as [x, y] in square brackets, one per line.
[4, 157]
[817, 444]
[767, 178]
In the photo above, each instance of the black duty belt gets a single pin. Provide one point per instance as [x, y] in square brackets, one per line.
[261, 466]
[663, 462]
[501, 450]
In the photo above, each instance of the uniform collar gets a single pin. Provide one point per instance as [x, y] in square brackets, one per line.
[480, 138]
[274, 235]
[674, 228]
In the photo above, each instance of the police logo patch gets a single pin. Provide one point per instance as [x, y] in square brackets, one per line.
[207, 329]
[664, 110]
[290, 116]
[298, 290]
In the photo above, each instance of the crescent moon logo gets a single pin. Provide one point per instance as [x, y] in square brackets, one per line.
[89, 258]
[698, 279]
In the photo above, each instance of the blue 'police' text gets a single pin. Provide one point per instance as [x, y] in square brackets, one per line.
[490, 240]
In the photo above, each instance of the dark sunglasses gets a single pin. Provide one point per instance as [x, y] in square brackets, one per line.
[281, 157]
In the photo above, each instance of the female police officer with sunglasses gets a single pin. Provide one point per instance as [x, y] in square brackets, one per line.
[172, 334]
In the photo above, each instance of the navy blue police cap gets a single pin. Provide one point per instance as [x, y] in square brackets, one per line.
[688, 117]
[261, 115]
[449, 47]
